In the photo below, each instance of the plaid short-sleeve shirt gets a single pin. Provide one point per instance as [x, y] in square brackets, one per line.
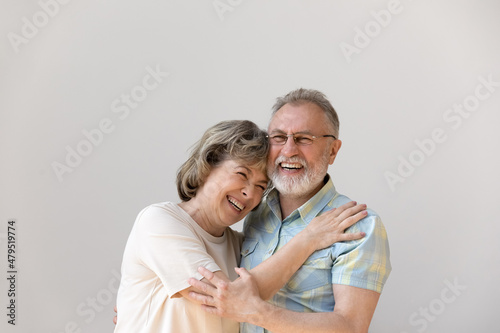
[361, 263]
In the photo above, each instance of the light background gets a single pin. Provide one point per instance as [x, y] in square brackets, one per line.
[442, 221]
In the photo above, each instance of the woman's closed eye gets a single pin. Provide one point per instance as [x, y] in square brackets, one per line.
[263, 188]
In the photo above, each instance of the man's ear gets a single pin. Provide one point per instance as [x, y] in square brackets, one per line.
[334, 149]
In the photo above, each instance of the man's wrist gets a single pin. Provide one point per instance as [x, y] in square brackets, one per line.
[263, 311]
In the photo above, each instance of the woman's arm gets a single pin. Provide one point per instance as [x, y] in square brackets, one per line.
[323, 231]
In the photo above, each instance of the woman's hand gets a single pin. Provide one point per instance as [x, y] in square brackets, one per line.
[329, 228]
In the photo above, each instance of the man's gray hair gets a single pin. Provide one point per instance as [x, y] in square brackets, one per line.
[301, 96]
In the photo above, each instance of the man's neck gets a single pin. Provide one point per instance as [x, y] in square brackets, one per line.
[290, 203]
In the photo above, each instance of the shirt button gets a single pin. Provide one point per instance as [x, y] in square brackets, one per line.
[245, 252]
[270, 251]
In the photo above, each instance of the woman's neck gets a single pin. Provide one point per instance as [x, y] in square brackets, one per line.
[201, 217]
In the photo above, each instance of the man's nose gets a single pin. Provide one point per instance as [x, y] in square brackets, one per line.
[290, 148]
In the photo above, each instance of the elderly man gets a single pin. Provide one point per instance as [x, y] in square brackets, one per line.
[337, 288]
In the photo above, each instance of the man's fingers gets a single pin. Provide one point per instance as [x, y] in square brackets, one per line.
[202, 299]
[202, 286]
[242, 272]
[211, 309]
[210, 276]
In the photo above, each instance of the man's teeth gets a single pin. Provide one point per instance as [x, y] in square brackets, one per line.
[291, 165]
[236, 204]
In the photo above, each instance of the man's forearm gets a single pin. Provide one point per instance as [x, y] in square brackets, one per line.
[279, 320]
[240, 301]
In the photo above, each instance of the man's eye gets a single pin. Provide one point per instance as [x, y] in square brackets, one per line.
[279, 138]
[303, 139]
[242, 174]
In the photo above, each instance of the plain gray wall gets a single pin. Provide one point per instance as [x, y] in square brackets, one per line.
[397, 72]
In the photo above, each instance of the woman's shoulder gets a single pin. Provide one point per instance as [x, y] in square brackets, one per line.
[163, 216]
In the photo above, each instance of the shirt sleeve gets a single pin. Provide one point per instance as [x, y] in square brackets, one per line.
[363, 263]
[171, 249]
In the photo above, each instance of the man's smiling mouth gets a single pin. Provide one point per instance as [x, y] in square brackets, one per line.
[291, 166]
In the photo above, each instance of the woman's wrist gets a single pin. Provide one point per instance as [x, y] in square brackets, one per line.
[308, 240]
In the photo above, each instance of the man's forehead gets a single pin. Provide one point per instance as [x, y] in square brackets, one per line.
[300, 117]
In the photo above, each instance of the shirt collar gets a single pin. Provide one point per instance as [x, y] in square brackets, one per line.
[311, 208]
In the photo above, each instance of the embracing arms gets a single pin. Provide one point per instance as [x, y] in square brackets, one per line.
[324, 230]
[354, 307]
[359, 272]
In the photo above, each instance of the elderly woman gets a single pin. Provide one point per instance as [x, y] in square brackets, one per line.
[223, 180]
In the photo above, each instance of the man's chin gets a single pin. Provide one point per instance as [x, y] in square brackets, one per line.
[298, 186]
[294, 188]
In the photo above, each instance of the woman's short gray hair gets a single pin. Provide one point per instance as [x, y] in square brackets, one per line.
[300, 96]
[239, 140]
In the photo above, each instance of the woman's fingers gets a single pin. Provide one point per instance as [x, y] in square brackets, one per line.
[339, 214]
[351, 220]
[351, 236]
[335, 212]
[351, 211]
[330, 227]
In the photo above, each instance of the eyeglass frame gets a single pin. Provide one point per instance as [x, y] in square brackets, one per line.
[293, 135]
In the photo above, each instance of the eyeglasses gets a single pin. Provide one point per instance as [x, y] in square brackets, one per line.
[299, 139]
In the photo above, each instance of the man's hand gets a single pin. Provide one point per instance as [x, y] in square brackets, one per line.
[238, 300]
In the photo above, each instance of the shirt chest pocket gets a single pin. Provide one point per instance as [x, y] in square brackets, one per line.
[248, 251]
[314, 273]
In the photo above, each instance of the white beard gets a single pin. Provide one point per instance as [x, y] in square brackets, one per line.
[300, 185]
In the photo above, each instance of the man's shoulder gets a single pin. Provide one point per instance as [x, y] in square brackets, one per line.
[341, 199]
[370, 223]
